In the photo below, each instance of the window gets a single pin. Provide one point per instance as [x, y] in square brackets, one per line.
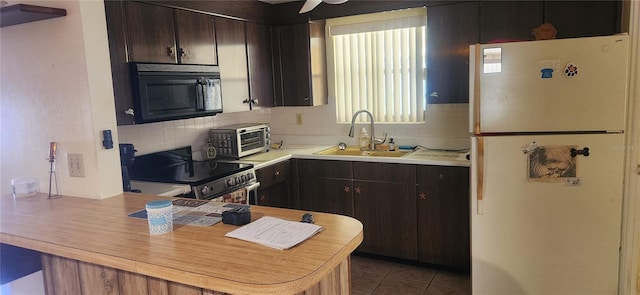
[379, 65]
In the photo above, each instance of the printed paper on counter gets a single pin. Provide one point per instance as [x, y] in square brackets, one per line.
[275, 232]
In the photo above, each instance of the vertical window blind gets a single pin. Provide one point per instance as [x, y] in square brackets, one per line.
[380, 66]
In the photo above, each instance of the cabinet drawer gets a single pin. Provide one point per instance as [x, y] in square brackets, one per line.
[274, 174]
[384, 172]
[325, 169]
[445, 176]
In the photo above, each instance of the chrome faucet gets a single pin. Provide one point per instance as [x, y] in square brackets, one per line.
[373, 140]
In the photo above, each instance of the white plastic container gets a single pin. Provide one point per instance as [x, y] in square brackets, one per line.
[160, 216]
[24, 186]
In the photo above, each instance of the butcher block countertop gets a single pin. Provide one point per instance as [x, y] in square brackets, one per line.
[101, 233]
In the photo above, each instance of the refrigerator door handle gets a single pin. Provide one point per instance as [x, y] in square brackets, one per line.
[480, 175]
[475, 70]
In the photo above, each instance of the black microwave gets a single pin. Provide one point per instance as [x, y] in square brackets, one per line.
[164, 92]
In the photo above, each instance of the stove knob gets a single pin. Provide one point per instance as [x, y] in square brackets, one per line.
[231, 182]
[205, 190]
[244, 178]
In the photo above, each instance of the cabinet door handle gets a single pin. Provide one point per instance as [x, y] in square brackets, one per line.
[276, 173]
[129, 111]
[182, 52]
[171, 51]
[422, 196]
[441, 176]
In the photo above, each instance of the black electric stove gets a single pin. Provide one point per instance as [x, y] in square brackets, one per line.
[208, 179]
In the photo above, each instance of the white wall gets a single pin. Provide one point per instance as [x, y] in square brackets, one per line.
[56, 86]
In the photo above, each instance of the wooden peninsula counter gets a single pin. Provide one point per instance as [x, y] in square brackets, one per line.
[92, 247]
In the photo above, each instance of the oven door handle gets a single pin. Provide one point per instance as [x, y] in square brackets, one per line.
[250, 188]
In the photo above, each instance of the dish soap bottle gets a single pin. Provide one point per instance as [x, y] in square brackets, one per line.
[392, 145]
[364, 139]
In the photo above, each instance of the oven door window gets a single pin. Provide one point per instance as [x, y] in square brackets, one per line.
[251, 140]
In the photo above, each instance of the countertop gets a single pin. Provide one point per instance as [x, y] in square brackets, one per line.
[100, 232]
[420, 156]
[161, 189]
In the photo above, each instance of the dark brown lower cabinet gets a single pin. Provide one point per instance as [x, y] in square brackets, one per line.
[326, 186]
[384, 203]
[443, 216]
[327, 195]
[412, 212]
[274, 185]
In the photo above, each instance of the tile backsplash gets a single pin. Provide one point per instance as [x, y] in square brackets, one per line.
[160, 136]
[445, 127]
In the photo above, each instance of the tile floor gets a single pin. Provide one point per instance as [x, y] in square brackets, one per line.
[379, 277]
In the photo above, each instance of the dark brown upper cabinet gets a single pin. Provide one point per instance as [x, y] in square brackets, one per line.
[509, 20]
[300, 64]
[166, 35]
[515, 20]
[450, 30]
[196, 38]
[574, 19]
[232, 53]
[120, 73]
[260, 62]
[140, 32]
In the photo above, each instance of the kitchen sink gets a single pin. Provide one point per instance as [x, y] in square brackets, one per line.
[355, 151]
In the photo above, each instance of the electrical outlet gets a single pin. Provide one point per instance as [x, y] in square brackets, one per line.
[298, 118]
[76, 165]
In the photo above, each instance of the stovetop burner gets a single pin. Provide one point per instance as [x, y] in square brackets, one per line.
[177, 166]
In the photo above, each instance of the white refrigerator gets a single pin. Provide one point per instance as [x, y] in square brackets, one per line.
[547, 138]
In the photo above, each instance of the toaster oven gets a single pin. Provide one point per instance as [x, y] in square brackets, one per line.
[237, 141]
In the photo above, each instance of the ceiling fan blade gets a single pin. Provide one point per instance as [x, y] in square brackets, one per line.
[309, 5]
